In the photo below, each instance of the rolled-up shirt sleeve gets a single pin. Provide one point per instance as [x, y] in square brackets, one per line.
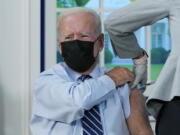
[59, 99]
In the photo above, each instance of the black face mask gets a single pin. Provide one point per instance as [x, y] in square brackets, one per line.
[78, 55]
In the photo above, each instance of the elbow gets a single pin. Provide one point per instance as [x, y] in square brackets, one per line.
[108, 25]
[114, 28]
[81, 103]
[77, 99]
[81, 98]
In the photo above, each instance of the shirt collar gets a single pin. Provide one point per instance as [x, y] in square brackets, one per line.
[74, 75]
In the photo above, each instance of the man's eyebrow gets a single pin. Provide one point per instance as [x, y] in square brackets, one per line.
[85, 33]
[67, 34]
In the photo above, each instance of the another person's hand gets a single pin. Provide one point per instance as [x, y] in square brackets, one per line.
[120, 75]
[140, 71]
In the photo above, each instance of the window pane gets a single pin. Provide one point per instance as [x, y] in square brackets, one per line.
[77, 3]
[160, 46]
[114, 4]
[110, 59]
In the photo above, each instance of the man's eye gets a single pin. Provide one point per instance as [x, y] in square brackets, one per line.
[68, 37]
[84, 36]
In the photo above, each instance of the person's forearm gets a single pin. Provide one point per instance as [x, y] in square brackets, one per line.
[62, 100]
[138, 122]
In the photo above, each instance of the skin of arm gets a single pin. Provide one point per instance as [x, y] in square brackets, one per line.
[138, 122]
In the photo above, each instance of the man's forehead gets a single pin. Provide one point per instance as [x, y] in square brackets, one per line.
[77, 25]
[76, 14]
[78, 18]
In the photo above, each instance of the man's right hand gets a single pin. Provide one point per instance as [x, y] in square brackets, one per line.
[120, 75]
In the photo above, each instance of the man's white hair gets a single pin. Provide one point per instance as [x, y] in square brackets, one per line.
[76, 10]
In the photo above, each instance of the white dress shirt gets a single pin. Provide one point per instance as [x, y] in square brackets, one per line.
[60, 100]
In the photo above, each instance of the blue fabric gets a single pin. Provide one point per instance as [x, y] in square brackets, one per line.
[91, 122]
[60, 101]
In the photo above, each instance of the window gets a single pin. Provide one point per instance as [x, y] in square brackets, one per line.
[159, 36]
[160, 46]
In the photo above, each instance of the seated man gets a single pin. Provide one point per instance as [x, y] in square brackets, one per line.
[77, 97]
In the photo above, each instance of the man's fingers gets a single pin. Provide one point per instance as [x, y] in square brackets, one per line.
[130, 75]
[120, 75]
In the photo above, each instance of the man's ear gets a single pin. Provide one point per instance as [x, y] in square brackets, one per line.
[101, 41]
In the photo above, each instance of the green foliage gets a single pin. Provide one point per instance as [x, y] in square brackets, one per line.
[155, 70]
[59, 57]
[130, 67]
[58, 14]
[71, 3]
[159, 55]
[81, 3]
[108, 56]
[132, 0]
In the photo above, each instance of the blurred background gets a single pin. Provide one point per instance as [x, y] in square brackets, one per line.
[28, 46]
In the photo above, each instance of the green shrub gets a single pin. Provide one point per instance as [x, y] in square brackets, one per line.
[108, 56]
[159, 55]
[71, 3]
[59, 57]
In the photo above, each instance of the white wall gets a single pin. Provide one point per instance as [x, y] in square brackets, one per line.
[50, 35]
[19, 63]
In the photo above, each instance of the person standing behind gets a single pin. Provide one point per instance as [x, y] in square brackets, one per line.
[164, 96]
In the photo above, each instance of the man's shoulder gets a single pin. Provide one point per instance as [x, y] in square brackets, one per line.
[56, 72]
[58, 69]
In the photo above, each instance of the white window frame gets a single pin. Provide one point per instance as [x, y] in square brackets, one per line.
[50, 54]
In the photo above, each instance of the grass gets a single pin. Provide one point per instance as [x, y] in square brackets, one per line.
[155, 69]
